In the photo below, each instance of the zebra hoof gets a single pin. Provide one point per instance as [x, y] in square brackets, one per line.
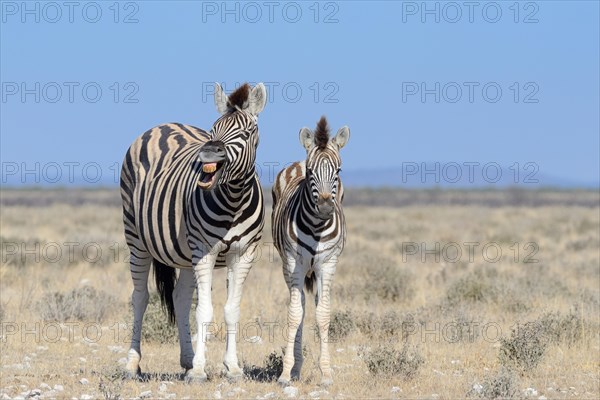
[234, 376]
[326, 382]
[133, 375]
[283, 382]
[192, 378]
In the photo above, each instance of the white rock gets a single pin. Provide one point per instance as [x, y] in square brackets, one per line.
[86, 397]
[50, 394]
[318, 393]
[45, 386]
[162, 387]
[116, 349]
[217, 394]
[254, 339]
[542, 398]
[290, 391]
[84, 381]
[477, 388]
[82, 359]
[269, 395]
[59, 388]
[395, 389]
[530, 392]
[147, 393]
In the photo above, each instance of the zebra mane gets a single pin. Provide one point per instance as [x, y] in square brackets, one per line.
[322, 133]
[239, 97]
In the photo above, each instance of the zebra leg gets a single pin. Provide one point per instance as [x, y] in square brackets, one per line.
[324, 280]
[237, 271]
[203, 268]
[298, 356]
[182, 298]
[295, 282]
[140, 269]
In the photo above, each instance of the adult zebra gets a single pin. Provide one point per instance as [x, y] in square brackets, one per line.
[192, 201]
[309, 233]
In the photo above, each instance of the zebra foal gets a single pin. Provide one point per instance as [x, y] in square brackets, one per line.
[309, 233]
[192, 201]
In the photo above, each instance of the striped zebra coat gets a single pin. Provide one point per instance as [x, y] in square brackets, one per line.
[309, 233]
[192, 201]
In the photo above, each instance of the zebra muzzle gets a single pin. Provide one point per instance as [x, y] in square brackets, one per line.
[209, 175]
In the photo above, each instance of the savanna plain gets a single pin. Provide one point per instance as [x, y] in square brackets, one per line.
[438, 294]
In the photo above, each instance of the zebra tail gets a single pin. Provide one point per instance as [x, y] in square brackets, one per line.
[165, 277]
[309, 282]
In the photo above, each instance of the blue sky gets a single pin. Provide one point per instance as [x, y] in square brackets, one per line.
[503, 83]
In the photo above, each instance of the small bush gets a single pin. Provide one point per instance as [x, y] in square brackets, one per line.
[111, 383]
[525, 348]
[387, 361]
[559, 328]
[502, 386]
[368, 325]
[341, 325]
[272, 369]
[156, 326]
[389, 282]
[391, 324]
[81, 304]
[473, 288]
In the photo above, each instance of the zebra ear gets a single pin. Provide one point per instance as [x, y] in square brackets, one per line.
[307, 138]
[220, 99]
[342, 137]
[257, 99]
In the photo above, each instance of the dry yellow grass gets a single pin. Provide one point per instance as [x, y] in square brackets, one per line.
[381, 276]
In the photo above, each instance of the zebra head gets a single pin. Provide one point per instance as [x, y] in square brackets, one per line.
[323, 165]
[230, 154]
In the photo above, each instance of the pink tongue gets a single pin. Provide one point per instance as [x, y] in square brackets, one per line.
[212, 164]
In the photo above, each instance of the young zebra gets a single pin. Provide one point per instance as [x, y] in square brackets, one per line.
[309, 233]
[192, 201]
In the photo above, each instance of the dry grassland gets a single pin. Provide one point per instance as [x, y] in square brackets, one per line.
[441, 300]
